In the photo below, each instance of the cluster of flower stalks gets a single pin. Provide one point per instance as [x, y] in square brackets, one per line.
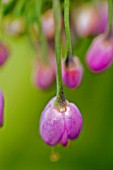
[61, 120]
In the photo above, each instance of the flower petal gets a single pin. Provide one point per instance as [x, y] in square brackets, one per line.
[52, 126]
[73, 121]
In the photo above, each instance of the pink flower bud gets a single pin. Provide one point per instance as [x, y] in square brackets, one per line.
[100, 54]
[14, 26]
[48, 24]
[44, 75]
[60, 125]
[86, 20]
[4, 53]
[72, 73]
[1, 108]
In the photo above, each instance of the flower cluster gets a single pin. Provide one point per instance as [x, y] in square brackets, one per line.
[48, 31]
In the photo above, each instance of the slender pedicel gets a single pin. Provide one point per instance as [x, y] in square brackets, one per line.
[110, 16]
[44, 49]
[60, 99]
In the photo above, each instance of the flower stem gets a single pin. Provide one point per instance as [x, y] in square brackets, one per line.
[67, 27]
[19, 8]
[60, 101]
[44, 49]
[110, 15]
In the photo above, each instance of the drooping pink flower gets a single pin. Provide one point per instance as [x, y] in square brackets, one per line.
[44, 75]
[100, 54]
[86, 20]
[72, 73]
[48, 24]
[4, 53]
[15, 26]
[60, 125]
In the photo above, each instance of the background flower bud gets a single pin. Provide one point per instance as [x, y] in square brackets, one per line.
[100, 54]
[44, 75]
[4, 53]
[72, 74]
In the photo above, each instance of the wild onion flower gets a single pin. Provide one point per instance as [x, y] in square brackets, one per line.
[44, 75]
[4, 53]
[86, 21]
[14, 26]
[60, 125]
[72, 72]
[100, 54]
[48, 24]
[1, 108]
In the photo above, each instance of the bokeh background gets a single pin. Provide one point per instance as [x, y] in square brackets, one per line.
[21, 147]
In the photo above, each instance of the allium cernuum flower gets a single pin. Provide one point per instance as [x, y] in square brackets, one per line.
[100, 54]
[44, 75]
[48, 24]
[4, 53]
[60, 125]
[1, 108]
[72, 72]
[83, 23]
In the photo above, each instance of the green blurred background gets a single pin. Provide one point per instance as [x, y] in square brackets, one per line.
[21, 147]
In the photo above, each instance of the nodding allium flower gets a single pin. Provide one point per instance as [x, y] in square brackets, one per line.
[48, 24]
[14, 26]
[72, 72]
[86, 20]
[100, 54]
[60, 125]
[1, 108]
[4, 53]
[44, 75]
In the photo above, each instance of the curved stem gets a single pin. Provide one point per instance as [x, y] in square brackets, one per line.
[41, 32]
[60, 101]
[67, 27]
[110, 15]
[19, 8]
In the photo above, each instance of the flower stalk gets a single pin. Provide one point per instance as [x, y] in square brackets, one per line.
[67, 28]
[110, 16]
[60, 100]
[42, 36]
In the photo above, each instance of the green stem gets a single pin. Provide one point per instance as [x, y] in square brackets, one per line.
[19, 8]
[44, 49]
[60, 101]
[1, 16]
[67, 27]
[110, 16]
